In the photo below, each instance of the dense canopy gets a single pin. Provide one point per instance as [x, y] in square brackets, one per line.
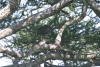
[37, 33]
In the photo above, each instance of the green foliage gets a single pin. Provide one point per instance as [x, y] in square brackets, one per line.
[75, 36]
[82, 36]
[79, 35]
[28, 35]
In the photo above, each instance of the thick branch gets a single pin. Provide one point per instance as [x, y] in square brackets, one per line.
[9, 52]
[86, 57]
[58, 38]
[94, 6]
[35, 18]
[9, 9]
[43, 46]
[40, 46]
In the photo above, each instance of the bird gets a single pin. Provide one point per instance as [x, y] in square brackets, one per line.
[44, 30]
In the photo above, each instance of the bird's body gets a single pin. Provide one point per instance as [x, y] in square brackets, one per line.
[44, 30]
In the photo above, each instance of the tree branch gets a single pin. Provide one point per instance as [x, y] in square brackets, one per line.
[40, 46]
[35, 18]
[9, 9]
[9, 52]
[94, 6]
[59, 56]
[79, 18]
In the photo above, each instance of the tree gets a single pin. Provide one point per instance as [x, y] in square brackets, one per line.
[71, 38]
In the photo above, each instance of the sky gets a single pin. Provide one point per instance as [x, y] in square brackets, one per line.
[6, 61]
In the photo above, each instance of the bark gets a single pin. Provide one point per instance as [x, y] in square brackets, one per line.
[76, 20]
[58, 56]
[9, 52]
[42, 45]
[94, 6]
[9, 9]
[34, 18]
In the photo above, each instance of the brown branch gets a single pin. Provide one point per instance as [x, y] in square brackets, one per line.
[9, 9]
[35, 49]
[68, 14]
[94, 6]
[59, 56]
[48, 56]
[35, 18]
[9, 52]
[79, 18]
[43, 45]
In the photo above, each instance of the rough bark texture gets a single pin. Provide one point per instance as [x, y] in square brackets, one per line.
[42, 45]
[35, 18]
[9, 9]
[94, 6]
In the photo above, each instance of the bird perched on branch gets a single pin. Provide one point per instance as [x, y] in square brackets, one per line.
[44, 30]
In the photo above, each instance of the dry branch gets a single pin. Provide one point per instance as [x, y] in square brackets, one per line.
[58, 56]
[10, 52]
[9, 9]
[94, 6]
[35, 18]
[76, 20]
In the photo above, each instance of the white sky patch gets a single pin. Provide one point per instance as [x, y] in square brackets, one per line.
[86, 18]
[2, 44]
[98, 25]
[23, 2]
[1, 54]
[80, 31]
[55, 62]
[5, 61]
[92, 14]
[58, 62]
